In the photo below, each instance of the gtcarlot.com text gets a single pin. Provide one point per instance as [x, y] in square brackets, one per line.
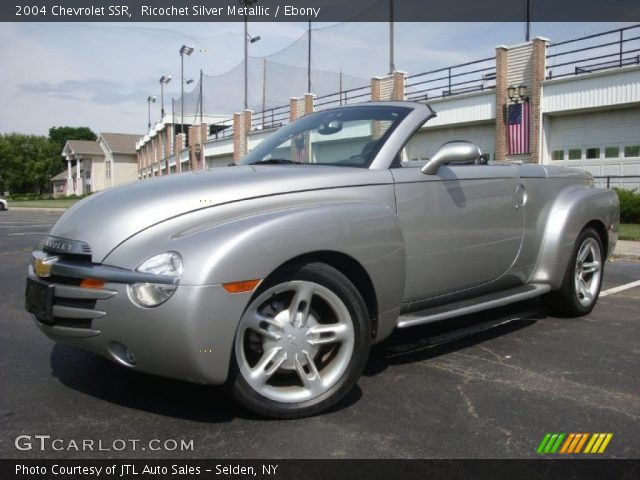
[47, 443]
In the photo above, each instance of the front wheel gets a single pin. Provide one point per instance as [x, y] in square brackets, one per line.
[301, 344]
[583, 278]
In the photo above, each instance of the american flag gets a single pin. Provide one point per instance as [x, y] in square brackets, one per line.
[518, 131]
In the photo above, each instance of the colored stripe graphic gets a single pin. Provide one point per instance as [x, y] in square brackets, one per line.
[573, 442]
[581, 443]
[550, 443]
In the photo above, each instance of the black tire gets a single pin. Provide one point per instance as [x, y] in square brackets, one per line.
[340, 285]
[566, 301]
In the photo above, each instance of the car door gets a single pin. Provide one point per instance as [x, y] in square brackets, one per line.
[462, 227]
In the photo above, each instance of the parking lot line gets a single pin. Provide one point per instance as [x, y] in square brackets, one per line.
[621, 288]
[21, 234]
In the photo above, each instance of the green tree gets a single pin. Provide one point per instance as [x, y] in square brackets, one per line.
[60, 135]
[27, 162]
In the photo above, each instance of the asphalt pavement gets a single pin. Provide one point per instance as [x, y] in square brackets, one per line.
[482, 386]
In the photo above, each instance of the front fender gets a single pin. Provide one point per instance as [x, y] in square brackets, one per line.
[573, 209]
[243, 242]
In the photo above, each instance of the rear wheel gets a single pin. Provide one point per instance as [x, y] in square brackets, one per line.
[301, 344]
[583, 278]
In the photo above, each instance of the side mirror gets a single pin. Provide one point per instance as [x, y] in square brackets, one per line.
[459, 151]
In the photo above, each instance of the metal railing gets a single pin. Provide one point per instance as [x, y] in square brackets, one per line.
[606, 180]
[474, 76]
[271, 118]
[345, 97]
[220, 130]
[600, 51]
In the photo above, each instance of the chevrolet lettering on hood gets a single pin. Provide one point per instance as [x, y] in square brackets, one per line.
[275, 277]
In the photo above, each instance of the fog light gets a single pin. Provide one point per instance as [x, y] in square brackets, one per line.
[151, 294]
[122, 354]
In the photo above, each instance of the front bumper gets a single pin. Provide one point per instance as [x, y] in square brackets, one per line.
[189, 337]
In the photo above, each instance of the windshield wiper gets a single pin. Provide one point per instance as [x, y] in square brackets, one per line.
[275, 161]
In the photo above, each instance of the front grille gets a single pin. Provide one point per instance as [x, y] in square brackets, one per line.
[72, 322]
[81, 257]
[74, 302]
[72, 306]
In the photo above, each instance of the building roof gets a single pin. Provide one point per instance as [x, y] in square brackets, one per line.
[120, 142]
[61, 176]
[87, 147]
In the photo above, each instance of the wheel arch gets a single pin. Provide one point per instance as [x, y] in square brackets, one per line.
[350, 268]
[575, 208]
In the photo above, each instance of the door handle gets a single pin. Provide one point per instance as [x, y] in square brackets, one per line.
[521, 196]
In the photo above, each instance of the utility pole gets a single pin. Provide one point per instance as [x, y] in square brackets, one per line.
[392, 65]
[309, 61]
[201, 98]
[246, 63]
[528, 20]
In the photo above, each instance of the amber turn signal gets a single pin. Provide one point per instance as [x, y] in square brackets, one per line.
[91, 283]
[240, 287]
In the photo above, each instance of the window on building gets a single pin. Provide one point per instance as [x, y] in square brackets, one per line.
[108, 168]
[632, 151]
[575, 154]
[592, 153]
[611, 152]
[557, 155]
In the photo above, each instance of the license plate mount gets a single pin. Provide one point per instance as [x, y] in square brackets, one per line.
[39, 300]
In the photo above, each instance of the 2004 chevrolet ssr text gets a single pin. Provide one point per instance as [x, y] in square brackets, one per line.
[274, 277]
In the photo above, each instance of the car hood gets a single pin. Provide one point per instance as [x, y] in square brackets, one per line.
[106, 219]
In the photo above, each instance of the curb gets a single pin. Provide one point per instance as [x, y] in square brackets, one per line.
[626, 257]
[37, 209]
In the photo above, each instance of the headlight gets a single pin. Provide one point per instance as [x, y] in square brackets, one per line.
[153, 294]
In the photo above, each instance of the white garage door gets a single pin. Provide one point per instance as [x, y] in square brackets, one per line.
[602, 143]
[219, 161]
[426, 143]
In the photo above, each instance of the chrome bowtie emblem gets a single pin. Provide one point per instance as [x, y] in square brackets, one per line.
[42, 264]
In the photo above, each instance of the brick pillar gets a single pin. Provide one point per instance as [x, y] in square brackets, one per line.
[204, 133]
[296, 108]
[538, 64]
[398, 85]
[238, 137]
[309, 103]
[179, 145]
[167, 148]
[157, 152]
[375, 89]
[501, 102]
[193, 132]
[247, 118]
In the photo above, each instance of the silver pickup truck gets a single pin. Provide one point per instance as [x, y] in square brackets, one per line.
[274, 277]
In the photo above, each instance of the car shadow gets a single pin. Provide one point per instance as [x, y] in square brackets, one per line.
[440, 338]
[100, 378]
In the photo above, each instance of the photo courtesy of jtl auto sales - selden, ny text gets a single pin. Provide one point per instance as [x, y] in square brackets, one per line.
[320, 240]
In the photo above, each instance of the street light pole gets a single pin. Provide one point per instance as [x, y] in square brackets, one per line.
[188, 51]
[246, 64]
[164, 79]
[150, 100]
[247, 39]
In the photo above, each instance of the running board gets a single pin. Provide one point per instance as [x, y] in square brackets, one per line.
[473, 305]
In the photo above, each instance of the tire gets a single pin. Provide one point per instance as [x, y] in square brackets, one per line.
[285, 367]
[582, 280]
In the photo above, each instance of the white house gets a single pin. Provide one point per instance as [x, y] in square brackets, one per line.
[95, 165]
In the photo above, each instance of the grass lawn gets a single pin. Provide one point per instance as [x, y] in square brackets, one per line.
[630, 231]
[58, 203]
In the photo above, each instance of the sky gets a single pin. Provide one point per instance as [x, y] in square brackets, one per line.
[100, 74]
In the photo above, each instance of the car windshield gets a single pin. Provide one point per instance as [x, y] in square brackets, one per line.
[349, 136]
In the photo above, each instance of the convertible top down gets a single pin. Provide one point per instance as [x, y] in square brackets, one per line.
[275, 276]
